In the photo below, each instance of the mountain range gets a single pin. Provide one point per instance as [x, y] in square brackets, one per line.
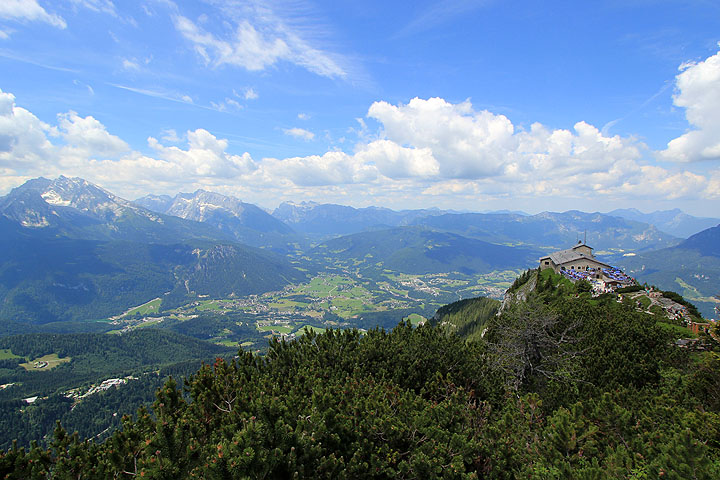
[419, 250]
[243, 222]
[330, 220]
[675, 222]
[71, 250]
[691, 268]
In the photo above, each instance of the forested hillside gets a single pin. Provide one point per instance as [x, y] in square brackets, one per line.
[560, 386]
[76, 363]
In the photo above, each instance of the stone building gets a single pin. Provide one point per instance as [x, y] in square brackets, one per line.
[578, 258]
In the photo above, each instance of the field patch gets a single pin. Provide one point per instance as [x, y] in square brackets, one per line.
[317, 330]
[46, 362]
[415, 319]
[153, 306]
[6, 353]
[275, 328]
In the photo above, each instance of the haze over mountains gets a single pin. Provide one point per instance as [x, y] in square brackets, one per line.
[674, 222]
[72, 250]
[242, 221]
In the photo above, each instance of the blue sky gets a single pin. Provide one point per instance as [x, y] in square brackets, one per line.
[474, 105]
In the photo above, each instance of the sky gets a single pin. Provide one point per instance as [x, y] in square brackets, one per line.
[468, 104]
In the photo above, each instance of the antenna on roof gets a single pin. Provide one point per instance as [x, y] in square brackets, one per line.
[585, 241]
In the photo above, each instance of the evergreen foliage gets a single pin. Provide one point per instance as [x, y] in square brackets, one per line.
[466, 318]
[561, 386]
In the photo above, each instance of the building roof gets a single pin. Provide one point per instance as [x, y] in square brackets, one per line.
[569, 255]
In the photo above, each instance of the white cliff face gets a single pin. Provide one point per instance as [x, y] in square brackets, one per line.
[86, 197]
[200, 205]
[42, 203]
[293, 212]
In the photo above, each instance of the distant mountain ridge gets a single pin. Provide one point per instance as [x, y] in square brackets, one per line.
[70, 250]
[554, 230]
[417, 250]
[550, 230]
[691, 268]
[674, 222]
[706, 242]
[335, 220]
[245, 222]
[76, 208]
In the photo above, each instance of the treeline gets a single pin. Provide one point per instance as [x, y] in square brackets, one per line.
[559, 387]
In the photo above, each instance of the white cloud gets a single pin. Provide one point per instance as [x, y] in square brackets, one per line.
[100, 6]
[248, 48]
[128, 64]
[303, 116]
[257, 38]
[205, 157]
[23, 141]
[463, 157]
[299, 133]
[249, 94]
[29, 10]
[170, 135]
[698, 92]
[87, 138]
[396, 162]
[332, 168]
[466, 144]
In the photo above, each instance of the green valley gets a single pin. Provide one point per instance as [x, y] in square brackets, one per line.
[331, 300]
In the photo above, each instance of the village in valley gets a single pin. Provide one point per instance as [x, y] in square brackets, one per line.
[337, 298]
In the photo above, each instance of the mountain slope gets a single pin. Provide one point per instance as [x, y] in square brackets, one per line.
[45, 279]
[242, 221]
[675, 222]
[707, 242]
[417, 250]
[691, 268]
[327, 220]
[70, 250]
[556, 230]
[73, 207]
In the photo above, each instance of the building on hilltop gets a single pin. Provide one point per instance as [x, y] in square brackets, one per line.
[579, 257]
[579, 263]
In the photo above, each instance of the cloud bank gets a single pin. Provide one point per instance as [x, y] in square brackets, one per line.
[429, 147]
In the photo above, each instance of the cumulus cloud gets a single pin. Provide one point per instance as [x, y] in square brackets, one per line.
[332, 168]
[206, 156]
[299, 133]
[23, 140]
[698, 92]
[396, 162]
[29, 10]
[427, 147]
[82, 146]
[87, 137]
[466, 144]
